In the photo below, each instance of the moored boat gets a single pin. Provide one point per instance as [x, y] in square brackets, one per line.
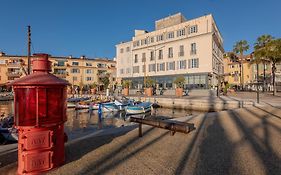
[138, 108]
[109, 107]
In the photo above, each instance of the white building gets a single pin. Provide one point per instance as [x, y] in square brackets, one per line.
[192, 48]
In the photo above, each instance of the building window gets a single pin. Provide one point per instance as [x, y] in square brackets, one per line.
[181, 32]
[88, 71]
[160, 54]
[182, 64]
[143, 68]
[171, 65]
[151, 67]
[136, 43]
[121, 71]
[75, 63]
[88, 78]
[128, 49]
[170, 52]
[136, 69]
[121, 50]
[160, 66]
[170, 35]
[128, 70]
[61, 63]
[152, 40]
[193, 29]
[181, 53]
[74, 78]
[193, 48]
[75, 71]
[136, 58]
[159, 38]
[144, 41]
[88, 64]
[151, 55]
[193, 63]
[143, 57]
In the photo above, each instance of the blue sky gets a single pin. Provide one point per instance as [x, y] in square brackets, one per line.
[93, 28]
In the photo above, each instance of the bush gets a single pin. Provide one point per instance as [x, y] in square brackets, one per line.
[180, 81]
[126, 83]
[149, 82]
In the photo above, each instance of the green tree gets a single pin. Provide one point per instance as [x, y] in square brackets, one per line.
[272, 51]
[260, 56]
[149, 82]
[105, 81]
[180, 81]
[239, 48]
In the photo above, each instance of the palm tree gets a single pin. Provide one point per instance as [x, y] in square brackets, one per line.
[239, 48]
[261, 42]
[273, 53]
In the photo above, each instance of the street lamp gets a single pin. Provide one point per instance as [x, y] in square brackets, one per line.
[258, 92]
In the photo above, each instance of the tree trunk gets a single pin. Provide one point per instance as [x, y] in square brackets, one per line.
[263, 89]
[240, 65]
[273, 78]
[242, 76]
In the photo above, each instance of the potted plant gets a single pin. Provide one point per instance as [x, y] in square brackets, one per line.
[126, 85]
[94, 88]
[149, 83]
[179, 81]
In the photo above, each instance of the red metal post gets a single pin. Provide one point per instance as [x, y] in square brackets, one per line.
[40, 113]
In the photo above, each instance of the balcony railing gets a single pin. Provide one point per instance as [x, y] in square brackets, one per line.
[13, 74]
[192, 52]
[17, 64]
[61, 74]
[170, 55]
[181, 54]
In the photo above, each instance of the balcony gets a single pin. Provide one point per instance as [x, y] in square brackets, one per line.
[181, 54]
[61, 74]
[14, 65]
[60, 65]
[13, 74]
[193, 52]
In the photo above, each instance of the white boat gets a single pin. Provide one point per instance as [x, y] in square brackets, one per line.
[80, 106]
[138, 108]
[109, 107]
[71, 105]
[121, 104]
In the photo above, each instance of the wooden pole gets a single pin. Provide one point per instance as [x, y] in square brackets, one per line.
[28, 49]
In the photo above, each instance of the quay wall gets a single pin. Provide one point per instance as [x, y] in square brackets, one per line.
[195, 104]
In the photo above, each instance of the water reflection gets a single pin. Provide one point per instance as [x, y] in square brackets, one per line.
[83, 122]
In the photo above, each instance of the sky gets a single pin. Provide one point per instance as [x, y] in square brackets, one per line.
[94, 27]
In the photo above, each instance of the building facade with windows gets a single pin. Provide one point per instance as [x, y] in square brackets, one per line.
[192, 48]
[77, 71]
[248, 77]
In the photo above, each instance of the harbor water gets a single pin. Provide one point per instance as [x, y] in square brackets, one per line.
[82, 122]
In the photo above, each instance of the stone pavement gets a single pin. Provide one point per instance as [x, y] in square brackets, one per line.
[240, 141]
[265, 98]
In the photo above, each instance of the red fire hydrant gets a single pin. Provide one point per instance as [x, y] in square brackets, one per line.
[40, 113]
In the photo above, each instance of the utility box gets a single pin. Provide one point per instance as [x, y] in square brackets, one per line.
[40, 101]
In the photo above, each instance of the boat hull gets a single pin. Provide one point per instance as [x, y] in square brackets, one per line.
[138, 109]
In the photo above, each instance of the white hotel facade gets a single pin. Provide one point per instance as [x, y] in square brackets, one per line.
[192, 48]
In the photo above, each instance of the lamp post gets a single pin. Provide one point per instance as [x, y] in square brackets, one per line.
[258, 92]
